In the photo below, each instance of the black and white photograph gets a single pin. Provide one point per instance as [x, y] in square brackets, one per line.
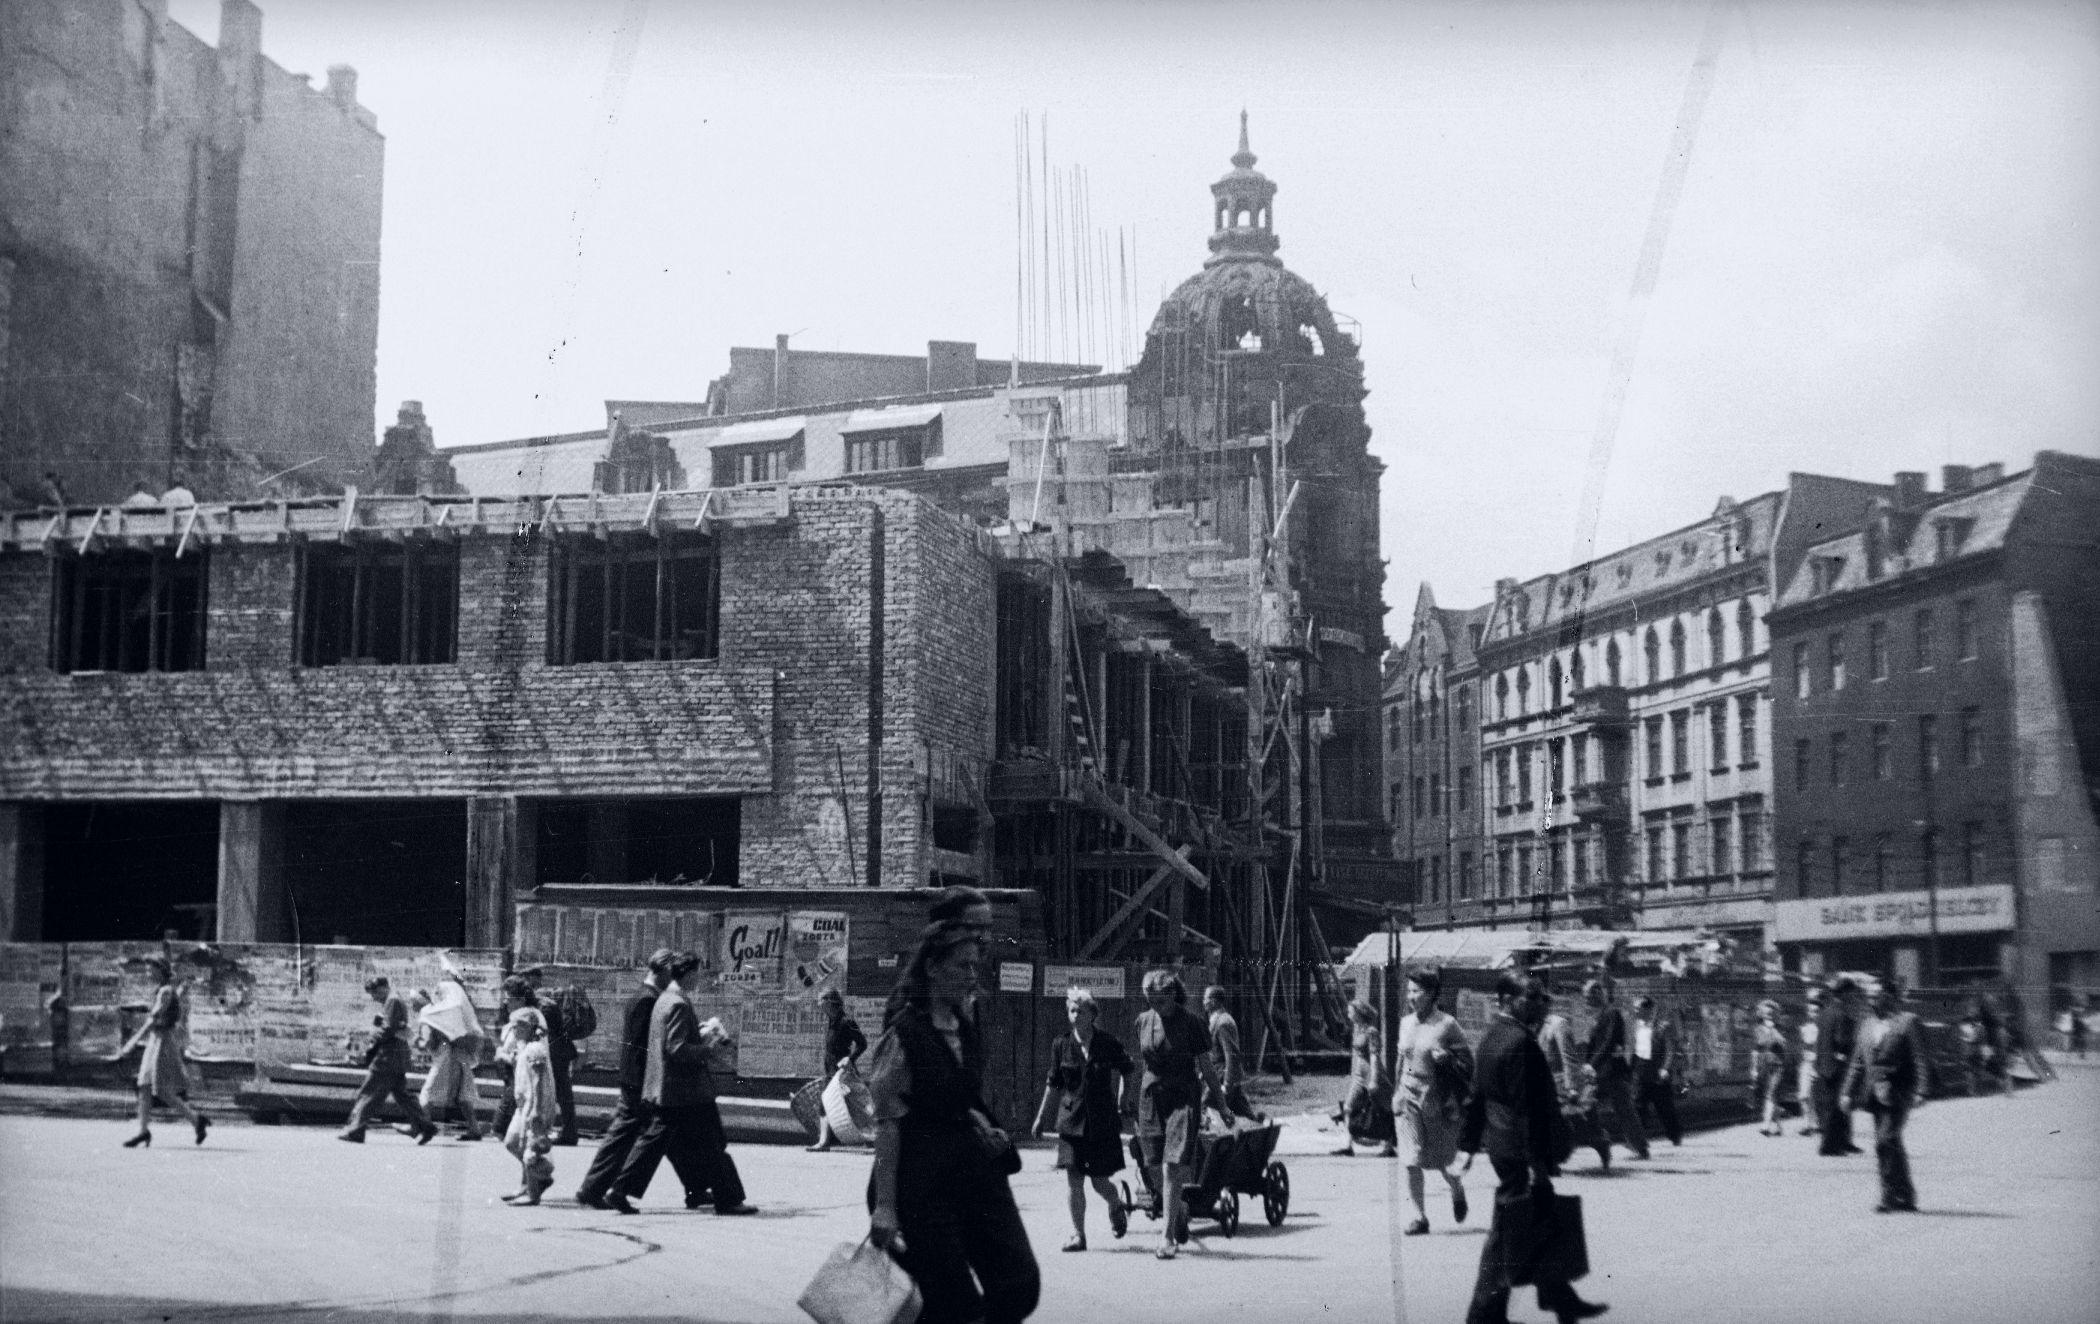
[946, 662]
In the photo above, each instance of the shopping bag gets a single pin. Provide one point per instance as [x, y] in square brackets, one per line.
[808, 1104]
[848, 1107]
[860, 1285]
[1546, 1239]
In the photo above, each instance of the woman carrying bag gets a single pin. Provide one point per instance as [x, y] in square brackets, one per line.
[162, 1072]
[1436, 1071]
[843, 1045]
[1089, 1077]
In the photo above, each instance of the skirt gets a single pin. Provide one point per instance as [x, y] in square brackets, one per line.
[1168, 1129]
[1091, 1155]
[162, 1069]
[1428, 1135]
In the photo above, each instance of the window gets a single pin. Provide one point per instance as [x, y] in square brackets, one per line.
[1465, 706]
[1921, 639]
[1681, 741]
[1506, 873]
[1717, 734]
[1717, 837]
[1971, 854]
[1523, 690]
[1681, 850]
[1553, 682]
[1502, 779]
[1392, 728]
[1837, 758]
[1802, 760]
[1415, 721]
[1579, 853]
[1395, 803]
[387, 604]
[1745, 629]
[1654, 748]
[633, 597]
[1651, 648]
[1804, 860]
[1716, 639]
[1436, 876]
[902, 448]
[1751, 840]
[1656, 870]
[1929, 853]
[1462, 788]
[1965, 629]
[1556, 768]
[1837, 866]
[1677, 667]
[1877, 650]
[1972, 737]
[1611, 664]
[1501, 698]
[128, 610]
[1579, 759]
[1878, 736]
[1526, 882]
[1801, 671]
[1928, 746]
[1466, 879]
[1436, 795]
[737, 466]
[1575, 669]
[1881, 862]
[1523, 756]
[1421, 797]
[1836, 648]
[1556, 864]
[1746, 729]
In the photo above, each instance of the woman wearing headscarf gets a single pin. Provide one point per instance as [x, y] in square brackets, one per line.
[162, 1072]
[1364, 1111]
[452, 1028]
[1435, 1066]
[1083, 1098]
[938, 1197]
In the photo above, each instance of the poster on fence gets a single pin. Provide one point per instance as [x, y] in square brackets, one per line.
[816, 954]
[751, 949]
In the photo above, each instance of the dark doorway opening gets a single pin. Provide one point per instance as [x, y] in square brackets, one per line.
[680, 840]
[130, 871]
[385, 872]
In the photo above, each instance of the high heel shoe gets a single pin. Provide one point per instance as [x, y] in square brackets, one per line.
[142, 1138]
[202, 1124]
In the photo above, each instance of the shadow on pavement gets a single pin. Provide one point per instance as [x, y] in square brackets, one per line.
[80, 1308]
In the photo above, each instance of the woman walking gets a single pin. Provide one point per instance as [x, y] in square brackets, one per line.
[1365, 1117]
[843, 1045]
[162, 1072]
[938, 1197]
[1435, 1069]
[1089, 1073]
[1768, 1065]
[451, 1028]
[1174, 1046]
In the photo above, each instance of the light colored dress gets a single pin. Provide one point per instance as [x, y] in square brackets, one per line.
[162, 1069]
[532, 1084]
[1426, 1104]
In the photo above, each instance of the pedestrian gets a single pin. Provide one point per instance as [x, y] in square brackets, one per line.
[1090, 1074]
[1512, 1112]
[1366, 1115]
[1611, 1066]
[2075, 1028]
[1435, 1067]
[533, 1114]
[843, 1045]
[1225, 1055]
[1572, 1084]
[938, 1197]
[630, 1114]
[1806, 1034]
[678, 1097]
[1767, 1066]
[451, 1029]
[1174, 1047]
[1837, 1033]
[1888, 1078]
[1655, 1067]
[521, 990]
[386, 1067]
[1997, 1072]
[2019, 1045]
[162, 1072]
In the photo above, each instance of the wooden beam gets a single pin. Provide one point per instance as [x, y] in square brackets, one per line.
[1110, 937]
[1176, 860]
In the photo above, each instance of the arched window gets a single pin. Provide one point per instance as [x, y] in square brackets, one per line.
[1501, 697]
[1716, 639]
[1523, 690]
[1553, 682]
[1677, 648]
[1651, 649]
[1745, 628]
[1611, 664]
[1575, 671]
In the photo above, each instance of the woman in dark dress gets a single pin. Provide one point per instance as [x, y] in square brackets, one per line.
[162, 1071]
[938, 1197]
[1089, 1072]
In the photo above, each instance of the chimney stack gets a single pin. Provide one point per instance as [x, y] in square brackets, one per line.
[342, 86]
[1954, 478]
[780, 355]
[1987, 473]
[1910, 490]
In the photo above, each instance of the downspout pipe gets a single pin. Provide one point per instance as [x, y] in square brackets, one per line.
[877, 574]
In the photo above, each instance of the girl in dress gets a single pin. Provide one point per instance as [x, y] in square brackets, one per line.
[1364, 1116]
[1435, 1068]
[1768, 1063]
[1089, 1076]
[532, 1086]
[162, 1071]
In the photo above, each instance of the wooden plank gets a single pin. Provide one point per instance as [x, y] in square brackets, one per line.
[1109, 939]
[1176, 860]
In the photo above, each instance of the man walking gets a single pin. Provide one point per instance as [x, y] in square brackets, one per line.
[1611, 1062]
[1513, 1109]
[1837, 1034]
[1887, 1078]
[386, 1068]
[630, 1116]
[1225, 1054]
[678, 1096]
[1655, 1067]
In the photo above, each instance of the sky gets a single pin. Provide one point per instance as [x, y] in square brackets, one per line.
[1610, 262]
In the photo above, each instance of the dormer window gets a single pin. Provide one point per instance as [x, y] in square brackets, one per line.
[766, 451]
[882, 439]
[1824, 572]
[1948, 535]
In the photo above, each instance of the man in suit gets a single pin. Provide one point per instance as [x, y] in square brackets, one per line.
[678, 1098]
[386, 1067]
[1513, 1109]
[629, 1117]
[1887, 1078]
[1655, 1067]
[1837, 1034]
[1611, 1061]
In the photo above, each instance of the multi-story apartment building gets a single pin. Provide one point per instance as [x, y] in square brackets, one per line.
[1937, 733]
[1432, 747]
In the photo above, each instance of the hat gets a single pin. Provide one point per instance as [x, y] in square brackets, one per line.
[528, 1016]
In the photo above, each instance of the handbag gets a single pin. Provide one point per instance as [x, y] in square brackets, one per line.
[1546, 1239]
[996, 1147]
[860, 1285]
[852, 1120]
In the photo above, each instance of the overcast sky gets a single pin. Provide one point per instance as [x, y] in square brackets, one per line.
[1880, 254]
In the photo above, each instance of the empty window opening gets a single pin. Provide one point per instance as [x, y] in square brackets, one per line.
[954, 828]
[633, 597]
[376, 871]
[900, 448]
[1023, 660]
[672, 841]
[130, 871]
[128, 611]
[382, 604]
[756, 464]
[1238, 324]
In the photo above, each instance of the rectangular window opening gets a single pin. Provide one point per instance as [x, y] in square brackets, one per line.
[127, 610]
[633, 597]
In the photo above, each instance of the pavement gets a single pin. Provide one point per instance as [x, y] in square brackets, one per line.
[267, 1223]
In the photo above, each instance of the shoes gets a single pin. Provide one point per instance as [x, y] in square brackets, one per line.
[1181, 1230]
[1458, 1204]
[1896, 1207]
[1346, 1151]
[202, 1124]
[1575, 1308]
[354, 1137]
[1418, 1228]
[1604, 1159]
[817, 1149]
[736, 1209]
[1852, 1149]
[468, 1135]
[1808, 1130]
[1118, 1219]
[142, 1138]
[1077, 1241]
[590, 1201]
[619, 1204]
[531, 1197]
[425, 1133]
[568, 1140]
[514, 1197]
[1389, 1152]
[1167, 1251]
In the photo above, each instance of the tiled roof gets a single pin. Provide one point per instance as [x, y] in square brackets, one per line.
[1913, 540]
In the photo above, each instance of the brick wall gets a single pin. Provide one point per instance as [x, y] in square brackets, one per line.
[248, 605]
[25, 612]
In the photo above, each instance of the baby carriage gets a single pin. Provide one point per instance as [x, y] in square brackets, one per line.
[1229, 1164]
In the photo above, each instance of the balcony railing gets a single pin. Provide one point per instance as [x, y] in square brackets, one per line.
[1601, 705]
[1600, 800]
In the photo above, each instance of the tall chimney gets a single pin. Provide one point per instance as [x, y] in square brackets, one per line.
[1954, 478]
[1987, 473]
[1910, 490]
[342, 86]
[780, 356]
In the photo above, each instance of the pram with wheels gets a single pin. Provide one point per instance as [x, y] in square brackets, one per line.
[1229, 1164]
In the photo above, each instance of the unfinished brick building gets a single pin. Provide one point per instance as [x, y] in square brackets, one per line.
[189, 259]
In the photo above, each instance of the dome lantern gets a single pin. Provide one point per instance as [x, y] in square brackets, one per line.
[1242, 209]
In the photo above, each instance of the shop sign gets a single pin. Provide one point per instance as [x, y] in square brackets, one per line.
[1986, 909]
[1103, 981]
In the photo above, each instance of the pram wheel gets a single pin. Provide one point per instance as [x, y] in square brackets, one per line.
[1276, 1193]
[1228, 1213]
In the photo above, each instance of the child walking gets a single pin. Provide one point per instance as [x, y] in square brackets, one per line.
[532, 1086]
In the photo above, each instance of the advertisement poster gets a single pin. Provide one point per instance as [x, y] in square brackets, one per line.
[752, 943]
[816, 955]
[1103, 981]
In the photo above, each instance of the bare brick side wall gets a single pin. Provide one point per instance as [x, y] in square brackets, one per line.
[248, 602]
[25, 612]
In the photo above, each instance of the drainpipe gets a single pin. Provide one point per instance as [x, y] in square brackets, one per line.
[876, 572]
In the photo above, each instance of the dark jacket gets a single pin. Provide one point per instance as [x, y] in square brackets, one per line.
[389, 1045]
[634, 1039]
[1836, 1034]
[1889, 1073]
[1512, 1108]
[1608, 1049]
[677, 1074]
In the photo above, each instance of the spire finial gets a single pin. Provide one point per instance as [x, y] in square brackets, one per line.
[1243, 158]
